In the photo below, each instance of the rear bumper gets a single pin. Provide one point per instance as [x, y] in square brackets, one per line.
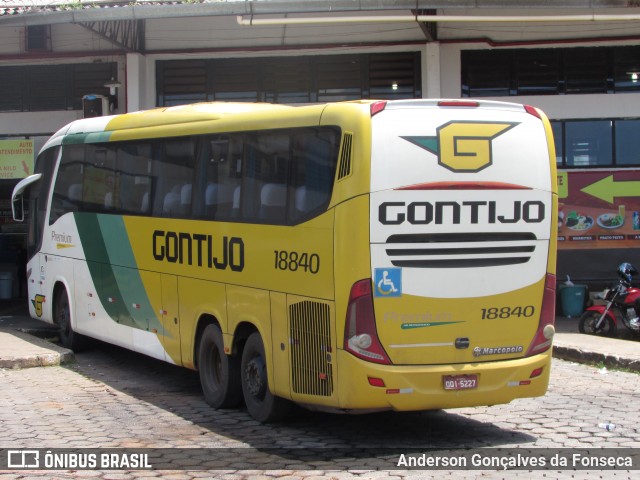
[411, 388]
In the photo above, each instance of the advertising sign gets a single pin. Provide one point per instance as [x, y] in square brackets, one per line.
[16, 159]
[598, 209]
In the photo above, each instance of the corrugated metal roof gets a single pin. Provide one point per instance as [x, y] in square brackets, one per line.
[149, 8]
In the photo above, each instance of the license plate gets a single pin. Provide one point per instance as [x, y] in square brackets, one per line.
[460, 382]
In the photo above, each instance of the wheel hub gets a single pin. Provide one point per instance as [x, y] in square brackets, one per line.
[255, 380]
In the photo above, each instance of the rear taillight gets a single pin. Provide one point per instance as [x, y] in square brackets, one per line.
[458, 103]
[464, 185]
[544, 335]
[532, 111]
[360, 335]
[377, 107]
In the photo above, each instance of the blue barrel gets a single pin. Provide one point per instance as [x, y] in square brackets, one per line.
[573, 299]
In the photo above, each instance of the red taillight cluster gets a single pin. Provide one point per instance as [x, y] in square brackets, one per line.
[532, 111]
[458, 103]
[360, 335]
[377, 107]
[544, 335]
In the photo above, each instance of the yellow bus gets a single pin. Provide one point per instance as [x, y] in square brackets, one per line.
[351, 257]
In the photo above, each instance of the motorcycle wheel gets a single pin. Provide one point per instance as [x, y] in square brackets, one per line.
[588, 322]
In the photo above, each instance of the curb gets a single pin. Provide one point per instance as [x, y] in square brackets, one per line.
[51, 354]
[608, 360]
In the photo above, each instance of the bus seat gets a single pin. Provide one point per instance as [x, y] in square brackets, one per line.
[144, 207]
[218, 199]
[75, 192]
[235, 207]
[273, 200]
[307, 199]
[171, 201]
[185, 199]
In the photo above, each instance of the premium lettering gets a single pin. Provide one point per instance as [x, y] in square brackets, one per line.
[199, 249]
[439, 213]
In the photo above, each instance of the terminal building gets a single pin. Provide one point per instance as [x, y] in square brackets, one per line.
[577, 60]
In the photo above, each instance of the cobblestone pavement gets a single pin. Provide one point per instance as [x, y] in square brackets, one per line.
[115, 398]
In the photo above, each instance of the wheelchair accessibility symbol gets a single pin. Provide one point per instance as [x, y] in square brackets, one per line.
[388, 282]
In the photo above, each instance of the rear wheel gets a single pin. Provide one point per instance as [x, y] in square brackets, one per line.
[62, 318]
[219, 373]
[588, 322]
[261, 403]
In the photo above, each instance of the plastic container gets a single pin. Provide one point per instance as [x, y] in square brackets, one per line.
[6, 285]
[573, 299]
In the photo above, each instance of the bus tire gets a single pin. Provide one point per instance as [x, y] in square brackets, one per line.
[219, 373]
[62, 317]
[261, 403]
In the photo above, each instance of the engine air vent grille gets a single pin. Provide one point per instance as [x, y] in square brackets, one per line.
[310, 342]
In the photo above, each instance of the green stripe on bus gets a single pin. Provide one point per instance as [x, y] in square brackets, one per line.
[79, 138]
[120, 288]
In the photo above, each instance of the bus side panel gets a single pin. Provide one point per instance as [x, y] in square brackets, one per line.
[86, 295]
[354, 164]
[170, 319]
[352, 262]
[91, 318]
[198, 298]
[252, 306]
[281, 345]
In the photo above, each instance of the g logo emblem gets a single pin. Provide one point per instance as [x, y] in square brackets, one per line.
[37, 304]
[463, 146]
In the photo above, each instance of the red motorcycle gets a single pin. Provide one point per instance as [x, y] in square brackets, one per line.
[622, 305]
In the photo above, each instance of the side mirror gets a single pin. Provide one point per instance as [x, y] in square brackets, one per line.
[17, 208]
[17, 203]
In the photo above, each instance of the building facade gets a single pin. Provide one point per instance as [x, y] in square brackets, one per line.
[579, 61]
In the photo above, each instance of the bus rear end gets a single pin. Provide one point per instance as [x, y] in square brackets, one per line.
[459, 308]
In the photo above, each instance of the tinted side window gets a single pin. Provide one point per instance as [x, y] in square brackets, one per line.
[315, 152]
[221, 159]
[132, 194]
[278, 177]
[173, 172]
[67, 192]
[38, 196]
[264, 182]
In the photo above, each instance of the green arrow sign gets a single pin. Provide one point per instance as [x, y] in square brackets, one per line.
[606, 189]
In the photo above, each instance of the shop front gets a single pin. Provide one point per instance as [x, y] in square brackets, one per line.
[598, 224]
[16, 162]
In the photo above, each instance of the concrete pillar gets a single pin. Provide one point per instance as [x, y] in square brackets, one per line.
[140, 83]
[431, 70]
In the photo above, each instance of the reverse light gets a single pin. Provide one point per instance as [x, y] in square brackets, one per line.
[546, 330]
[360, 335]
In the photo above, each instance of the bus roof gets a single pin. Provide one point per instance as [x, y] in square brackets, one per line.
[158, 117]
[99, 129]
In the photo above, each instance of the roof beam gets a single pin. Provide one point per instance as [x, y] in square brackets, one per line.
[126, 34]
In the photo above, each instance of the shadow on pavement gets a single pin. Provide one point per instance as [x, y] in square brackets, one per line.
[177, 390]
